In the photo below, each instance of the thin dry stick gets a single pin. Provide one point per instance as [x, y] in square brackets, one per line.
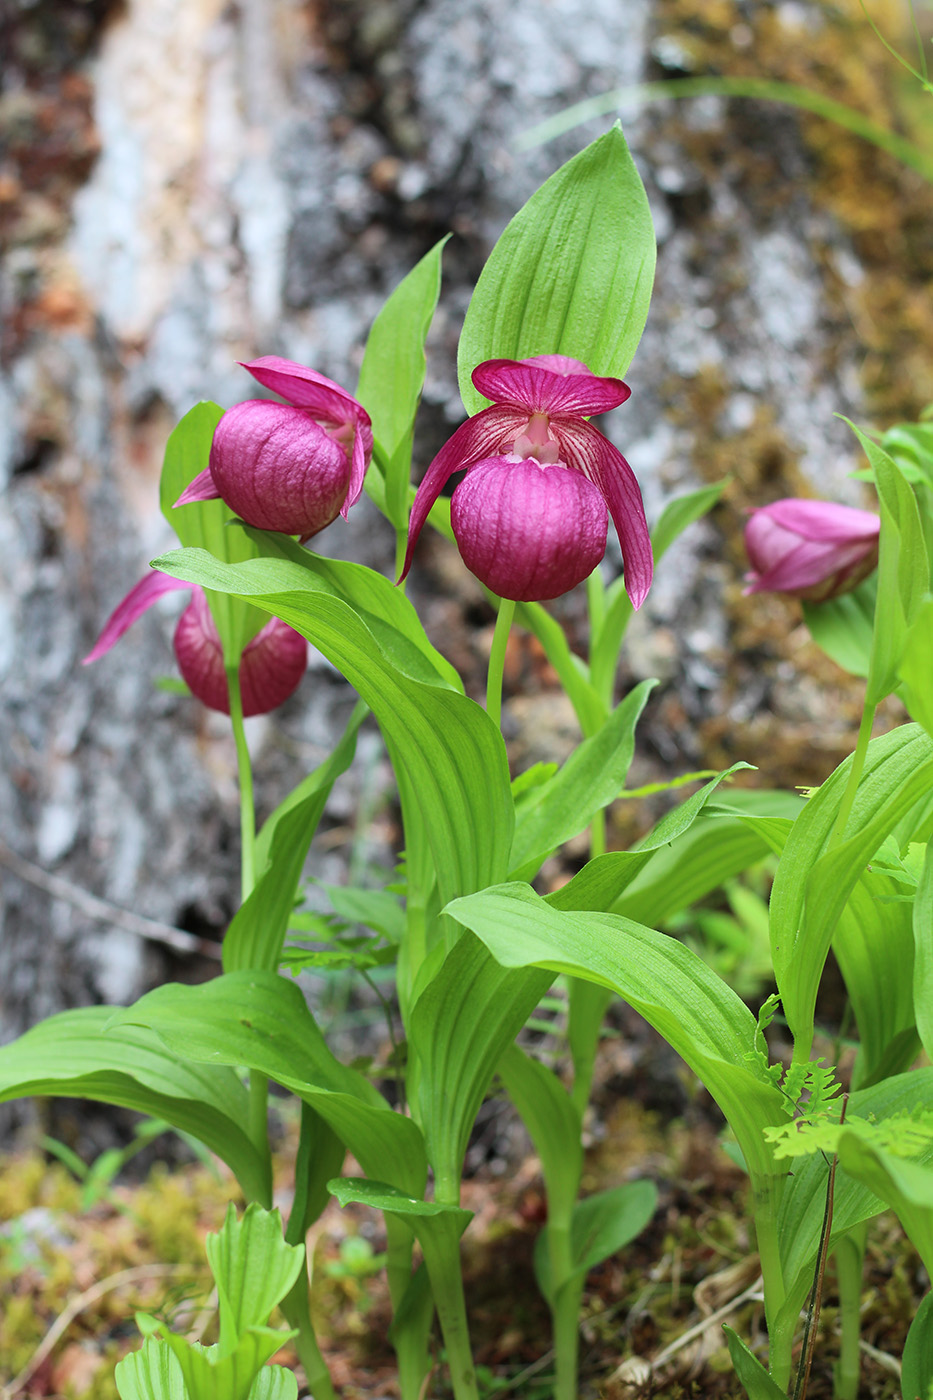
[78, 1305]
[103, 910]
[702, 1326]
[816, 1296]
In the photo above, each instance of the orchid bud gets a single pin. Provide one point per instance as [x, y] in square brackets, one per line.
[271, 665]
[814, 550]
[528, 530]
[288, 467]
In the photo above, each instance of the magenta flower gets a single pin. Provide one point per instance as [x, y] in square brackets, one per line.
[530, 516]
[272, 664]
[814, 550]
[289, 466]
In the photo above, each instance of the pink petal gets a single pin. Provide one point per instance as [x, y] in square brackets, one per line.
[305, 388]
[202, 488]
[481, 436]
[823, 520]
[271, 667]
[584, 447]
[810, 563]
[139, 598]
[528, 532]
[359, 461]
[538, 386]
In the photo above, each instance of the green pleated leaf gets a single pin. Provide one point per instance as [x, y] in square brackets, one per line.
[874, 947]
[379, 1195]
[257, 930]
[572, 273]
[916, 666]
[392, 373]
[253, 1269]
[261, 1021]
[274, 1383]
[462, 1023]
[69, 1056]
[755, 1380]
[815, 877]
[905, 1186]
[452, 754]
[903, 569]
[602, 1224]
[923, 954]
[843, 627]
[695, 1011]
[917, 1364]
[602, 880]
[203, 524]
[554, 1127]
[152, 1373]
[800, 1219]
[591, 778]
[211, 1376]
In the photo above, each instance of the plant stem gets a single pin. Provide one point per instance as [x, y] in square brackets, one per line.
[596, 602]
[780, 1340]
[497, 661]
[295, 1307]
[855, 773]
[849, 1256]
[245, 775]
[816, 1296]
[442, 1260]
[258, 1083]
[565, 1308]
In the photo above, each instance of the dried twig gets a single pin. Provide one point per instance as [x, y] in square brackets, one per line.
[101, 909]
[816, 1296]
[78, 1305]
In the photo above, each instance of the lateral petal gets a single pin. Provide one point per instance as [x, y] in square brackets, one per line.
[480, 436]
[552, 384]
[584, 447]
[139, 598]
[202, 488]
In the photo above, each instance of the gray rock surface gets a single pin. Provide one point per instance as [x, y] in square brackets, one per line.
[264, 174]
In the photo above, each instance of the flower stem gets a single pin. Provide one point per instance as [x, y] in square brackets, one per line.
[245, 775]
[497, 661]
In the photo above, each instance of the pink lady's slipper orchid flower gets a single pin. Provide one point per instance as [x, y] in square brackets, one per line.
[272, 664]
[814, 550]
[292, 466]
[530, 516]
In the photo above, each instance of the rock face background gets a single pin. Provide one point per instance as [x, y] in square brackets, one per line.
[187, 183]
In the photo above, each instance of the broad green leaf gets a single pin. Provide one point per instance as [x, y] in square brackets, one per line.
[590, 779]
[916, 666]
[253, 1269]
[815, 877]
[379, 1195]
[554, 1127]
[374, 909]
[803, 1203]
[203, 524]
[903, 569]
[572, 273]
[385, 609]
[874, 946]
[257, 931]
[695, 1011]
[69, 1056]
[755, 1380]
[917, 1363]
[392, 372]
[451, 753]
[843, 627]
[209, 1375]
[462, 1023]
[923, 954]
[602, 880]
[907, 1187]
[152, 1373]
[274, 1383]
[262, 1022]
[607, 637]
[602, 1224]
